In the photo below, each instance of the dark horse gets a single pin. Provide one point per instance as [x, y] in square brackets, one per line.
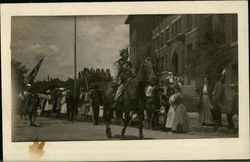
[133, 99]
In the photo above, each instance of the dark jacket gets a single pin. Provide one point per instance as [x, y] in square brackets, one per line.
[95, 97]
[125, 70]
[218, 93]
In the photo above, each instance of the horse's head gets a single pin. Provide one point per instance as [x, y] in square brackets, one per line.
[146, 72]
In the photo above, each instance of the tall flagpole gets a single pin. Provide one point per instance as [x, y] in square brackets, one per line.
[75, 67]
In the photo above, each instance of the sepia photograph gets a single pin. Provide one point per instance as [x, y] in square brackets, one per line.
[125, 81]
[126, 77]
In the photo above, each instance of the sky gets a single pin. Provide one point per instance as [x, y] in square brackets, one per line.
[98, 41]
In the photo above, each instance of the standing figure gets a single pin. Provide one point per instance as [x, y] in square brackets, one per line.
[31, 104]
[234, 110]
[81, 102]
[170, 79]
[155, 105]
[180, 121]
[218, 100]
[48, 103]
[87, 105]
[171, 111]
[22, 110]
[63, 108]
[96, 99]
[70, 105]
[205, 106]
[59, 99]
[149, 103]
[163, 108]
[123, 73]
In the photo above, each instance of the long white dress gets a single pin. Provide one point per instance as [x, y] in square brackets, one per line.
[48, 106]
[170, 115]
[63, 105]
[206, 116]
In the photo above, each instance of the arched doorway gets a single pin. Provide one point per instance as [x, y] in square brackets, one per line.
[175, 62]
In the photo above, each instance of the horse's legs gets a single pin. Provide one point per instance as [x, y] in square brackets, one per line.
[107, 116]
[140, 124]
[125, 124]
[30, 119]
[34, 117]
[141, 118]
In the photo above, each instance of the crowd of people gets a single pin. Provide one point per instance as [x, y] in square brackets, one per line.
[166, 110]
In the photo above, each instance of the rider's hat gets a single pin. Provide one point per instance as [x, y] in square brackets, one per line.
[123, 52]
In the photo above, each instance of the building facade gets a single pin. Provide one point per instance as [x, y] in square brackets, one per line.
[173, 38]
[140, 36]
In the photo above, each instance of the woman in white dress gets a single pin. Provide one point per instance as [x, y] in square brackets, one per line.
[49, 104]
[180, 122]
[170, 115]
[63, 103]
[206, 117]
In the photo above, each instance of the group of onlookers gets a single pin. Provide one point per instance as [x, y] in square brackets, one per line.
[213, 100]
[167, 111]
[90, 102]
[59, 101]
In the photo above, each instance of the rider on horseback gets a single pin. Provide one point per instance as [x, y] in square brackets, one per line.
[124, 72]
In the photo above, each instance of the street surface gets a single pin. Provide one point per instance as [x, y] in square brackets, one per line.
[54, 129]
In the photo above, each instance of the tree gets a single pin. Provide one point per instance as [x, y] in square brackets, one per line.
[18, 73]
[211, 56]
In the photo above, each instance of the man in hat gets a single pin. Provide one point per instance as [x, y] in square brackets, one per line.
[96, 100]
[234, 107]
[70, 105]
[124, 72]
[219, 99]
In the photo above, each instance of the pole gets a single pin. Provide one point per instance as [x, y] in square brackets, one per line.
[75, 66]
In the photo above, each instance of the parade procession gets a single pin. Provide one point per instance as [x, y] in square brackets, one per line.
[124, 77]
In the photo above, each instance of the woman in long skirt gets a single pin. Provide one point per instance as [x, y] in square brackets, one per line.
[206, 117]
[48, 103]
[170, 114]
[180, 121]
[63, 104]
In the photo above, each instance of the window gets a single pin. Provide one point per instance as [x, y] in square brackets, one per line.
[210, 27]
[196, 20]
[157, 65]
[158, 42]
[188, 54]
[188, 23]
[166, 61]
[234, 75]
[222, 25]
[176, 27]
[153, 44]
[162, 63]
[234, 27]
[166, 35]
[162, 39]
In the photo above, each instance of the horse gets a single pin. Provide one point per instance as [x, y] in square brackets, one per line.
[133, 98]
